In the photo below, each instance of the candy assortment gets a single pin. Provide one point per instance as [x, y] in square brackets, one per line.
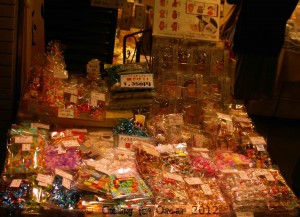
[83, 170]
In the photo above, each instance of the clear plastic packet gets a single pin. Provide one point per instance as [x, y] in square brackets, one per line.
[34, 86]
[202, 162]
[41, 185]
[64, 194]
[25, 150]
[200, 61]
[205, 193]
[282, 199]
[64, 150]
[98, 144]
[148, 159]
[243, 124]
[210, 122]
[244, 191]
[93, 176]
[254, 147]
[169, 189]
[129, 186]
[227, 143]
[123, 162]
[14, 193]
[54, 79]
[200, 138]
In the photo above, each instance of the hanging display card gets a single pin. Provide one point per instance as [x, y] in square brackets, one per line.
[187, 19]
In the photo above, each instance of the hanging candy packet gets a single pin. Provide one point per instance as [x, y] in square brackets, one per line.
[54, 79]
[24, 151]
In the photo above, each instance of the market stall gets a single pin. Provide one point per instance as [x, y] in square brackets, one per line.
[126, 140]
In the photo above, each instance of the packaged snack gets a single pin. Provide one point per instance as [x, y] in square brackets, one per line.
[205, 194]
[25, 151]
[64, 150]
[244, 191]
[282, 199]
[91, 177]
[202, 162]
[64, 195]
[14, 193]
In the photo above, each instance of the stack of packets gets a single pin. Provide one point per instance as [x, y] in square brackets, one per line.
[130, 86]
[161, 166]
[69, 170]
[52, 91]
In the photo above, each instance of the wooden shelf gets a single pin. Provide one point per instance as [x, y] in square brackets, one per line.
[111, 119]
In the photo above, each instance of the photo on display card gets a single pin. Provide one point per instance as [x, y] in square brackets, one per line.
[190, 19]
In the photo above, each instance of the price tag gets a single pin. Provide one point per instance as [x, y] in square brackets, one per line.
[97, 97]
[243, 119]
[122, 156]
[65, 113]
[200, 149]
[244, 214]
[175, 119]
[228, 171]
[73, 99]
[61, 150]
[40, 125]
[205, 155]
[102, 170]
[66, 183]
[15, 183]
[269, 177]
[225, 117]
[23, 139]
[206, 189]
[243, 175]
[72, 91]
[126, 141]
[70, 143]
[193, 181]
[68, 132]
[258, 140]
[229, 125]
[137, 81]
[48, 179]
[43, 184]
[26, 147]
[260, 147]
[173, 176]
[150, 149]
[63, 174]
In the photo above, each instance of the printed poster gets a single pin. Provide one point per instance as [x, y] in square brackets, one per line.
[197, 19]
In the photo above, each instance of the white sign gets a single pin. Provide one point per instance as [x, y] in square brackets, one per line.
[187, 19]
